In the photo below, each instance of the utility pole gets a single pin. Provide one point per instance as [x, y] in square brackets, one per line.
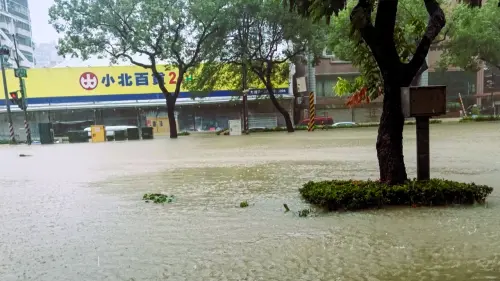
[311, 76]
[493, 92]
[311, 86]
[244, 73]
[245, 97]
[21, 74]
[4, 51]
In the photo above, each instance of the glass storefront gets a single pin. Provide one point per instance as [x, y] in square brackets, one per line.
[199, 117]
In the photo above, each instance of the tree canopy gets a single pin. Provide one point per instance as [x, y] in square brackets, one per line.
[376, 22]
[180, 34]
[474, 37]
[262, 39]
[345, 44]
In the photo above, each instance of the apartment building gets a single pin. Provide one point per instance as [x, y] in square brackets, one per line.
[15, 26]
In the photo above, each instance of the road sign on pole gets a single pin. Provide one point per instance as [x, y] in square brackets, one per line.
[21, 73]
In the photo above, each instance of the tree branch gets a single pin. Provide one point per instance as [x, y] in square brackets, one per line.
[174, 51]
[386, 19]
[445, 34]
[157, 47]
[159, 78]
[361, 20]
[494, 64]
[203, 37]
[437, 22]
[143, 65]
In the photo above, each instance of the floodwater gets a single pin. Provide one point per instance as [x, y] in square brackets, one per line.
[74, 211]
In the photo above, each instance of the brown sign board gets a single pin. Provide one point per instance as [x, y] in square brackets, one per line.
[425, 101]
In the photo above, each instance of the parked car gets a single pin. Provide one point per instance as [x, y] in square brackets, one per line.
[345, 124]
[318, 121]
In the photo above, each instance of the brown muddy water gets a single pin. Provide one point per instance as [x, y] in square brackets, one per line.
[74, 211]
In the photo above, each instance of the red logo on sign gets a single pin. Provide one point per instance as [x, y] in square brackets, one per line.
[88, 81]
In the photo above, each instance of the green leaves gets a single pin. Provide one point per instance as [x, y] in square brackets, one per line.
[410, 25]
[355, 195]
[262, 39]
[178, 33]
[474, 36]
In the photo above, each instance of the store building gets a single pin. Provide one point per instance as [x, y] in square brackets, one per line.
[74, 98]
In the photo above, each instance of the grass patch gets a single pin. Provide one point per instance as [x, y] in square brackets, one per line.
[480, 118]
[356, 195]
[243, 204]
[184, 133]
[158, 198]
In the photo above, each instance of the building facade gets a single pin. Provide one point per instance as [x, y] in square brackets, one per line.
[481, 88]
[74, 98]
[15, 27]
[46, 55]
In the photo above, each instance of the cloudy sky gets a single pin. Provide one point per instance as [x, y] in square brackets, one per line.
[42, 31]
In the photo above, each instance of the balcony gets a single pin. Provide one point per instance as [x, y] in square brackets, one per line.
[18, 10]
[22, 32]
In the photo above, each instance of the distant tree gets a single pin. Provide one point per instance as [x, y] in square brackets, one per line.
[262, 40]
[474, 36]
[182, 34]
[377, 30]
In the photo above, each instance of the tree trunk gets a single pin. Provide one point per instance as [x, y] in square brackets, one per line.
[284, 112]
[390, 138]
[171, 116]
[380, 39]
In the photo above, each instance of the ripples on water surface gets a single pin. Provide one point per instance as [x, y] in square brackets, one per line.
[77, 213]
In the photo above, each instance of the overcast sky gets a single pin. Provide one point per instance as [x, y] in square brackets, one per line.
[42, 31]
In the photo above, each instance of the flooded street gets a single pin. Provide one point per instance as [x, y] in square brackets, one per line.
[74, 211]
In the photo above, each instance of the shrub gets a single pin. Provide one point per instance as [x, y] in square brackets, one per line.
[220, 131]
[243, 204]
[353, 195]
[158, 198]
[184, 133]
[480, 118]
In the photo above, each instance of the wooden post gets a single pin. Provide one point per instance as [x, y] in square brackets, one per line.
[423, 149]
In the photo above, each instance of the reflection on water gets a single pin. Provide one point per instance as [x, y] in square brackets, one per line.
[74, 212]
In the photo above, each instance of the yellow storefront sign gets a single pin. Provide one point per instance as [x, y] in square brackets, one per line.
[99, 81]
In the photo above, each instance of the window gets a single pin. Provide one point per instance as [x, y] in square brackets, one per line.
[325, 86]
[23, 40]
[22, 25]
[28, 56]
[328, 53]
[18, 9]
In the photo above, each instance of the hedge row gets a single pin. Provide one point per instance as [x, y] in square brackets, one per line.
[480, 118]
[354, 195]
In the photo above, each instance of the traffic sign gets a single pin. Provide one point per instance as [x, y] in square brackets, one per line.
[21, 73]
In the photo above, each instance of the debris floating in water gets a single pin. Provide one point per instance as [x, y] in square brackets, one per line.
[286, 208]
[158, 198]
